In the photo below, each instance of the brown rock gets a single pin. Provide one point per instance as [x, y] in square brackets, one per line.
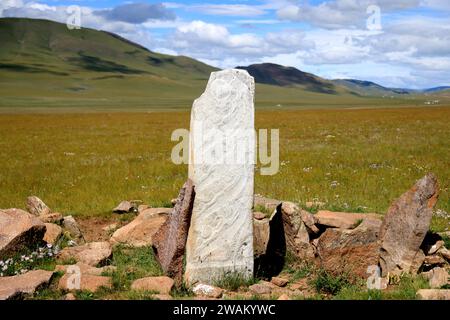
[84, 282]
[143, 207]
[139, 232]
[36, 206]
[93, 253]
[406, 224]
[260, 288]
[17, 286]
[169, 242]
[296, 233]
[301, 284]
[343, 220]
[162, 285]
[261, 234]
[70, 297]
[71, 226]
[445, 253]
[125, 207]
[417, 262]
[259, 215]
[53, 233]
[280, 282]
[19, 230]
[284, 297]
[437, 277]
[208, 291]
[310, 222]
[350, 251]
[433, 294]
[54, 217]
[434, 260]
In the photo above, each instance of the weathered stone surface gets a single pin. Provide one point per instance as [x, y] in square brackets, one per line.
[125, 207]
[437, 277]
[261, 235]
[260, 288]
[434, 260]
[162, 285]
[19, 230]
[445, 253]
[93, 253]
[433, 294]
[343, 220]
[169, 242]
[310, 222]
[258, 215]
[17, 286]
[85, 282]
[53, 233]
[36, 206]
[70, 225]
[54, 217]
[284, 296]
[280, 282]
[296, 233]
[139, 232]
[220, 238]
[350, 251]
[266, 203]
[143, 207]
[208, 291]
[406, 224]
[417, 262]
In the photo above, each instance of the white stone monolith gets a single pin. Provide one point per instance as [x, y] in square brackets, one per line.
[221, 166]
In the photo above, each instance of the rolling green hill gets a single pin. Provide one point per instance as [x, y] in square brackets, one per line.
[45, 66]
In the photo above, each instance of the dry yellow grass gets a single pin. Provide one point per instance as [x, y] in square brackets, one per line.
[84, 164]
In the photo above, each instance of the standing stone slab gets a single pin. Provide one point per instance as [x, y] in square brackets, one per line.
[169, 242]
[405, 226]
[221, 166]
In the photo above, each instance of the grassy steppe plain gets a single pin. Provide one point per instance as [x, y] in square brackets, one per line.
[353, 160]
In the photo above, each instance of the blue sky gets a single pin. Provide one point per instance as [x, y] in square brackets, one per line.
[403, 43]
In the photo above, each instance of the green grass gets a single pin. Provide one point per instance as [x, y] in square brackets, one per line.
[85, 164]
[233, 281]
[405, 290]
[327, 283]
[132, 264]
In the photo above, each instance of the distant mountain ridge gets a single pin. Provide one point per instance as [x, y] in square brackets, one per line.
[275, 74]
[43, 63]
